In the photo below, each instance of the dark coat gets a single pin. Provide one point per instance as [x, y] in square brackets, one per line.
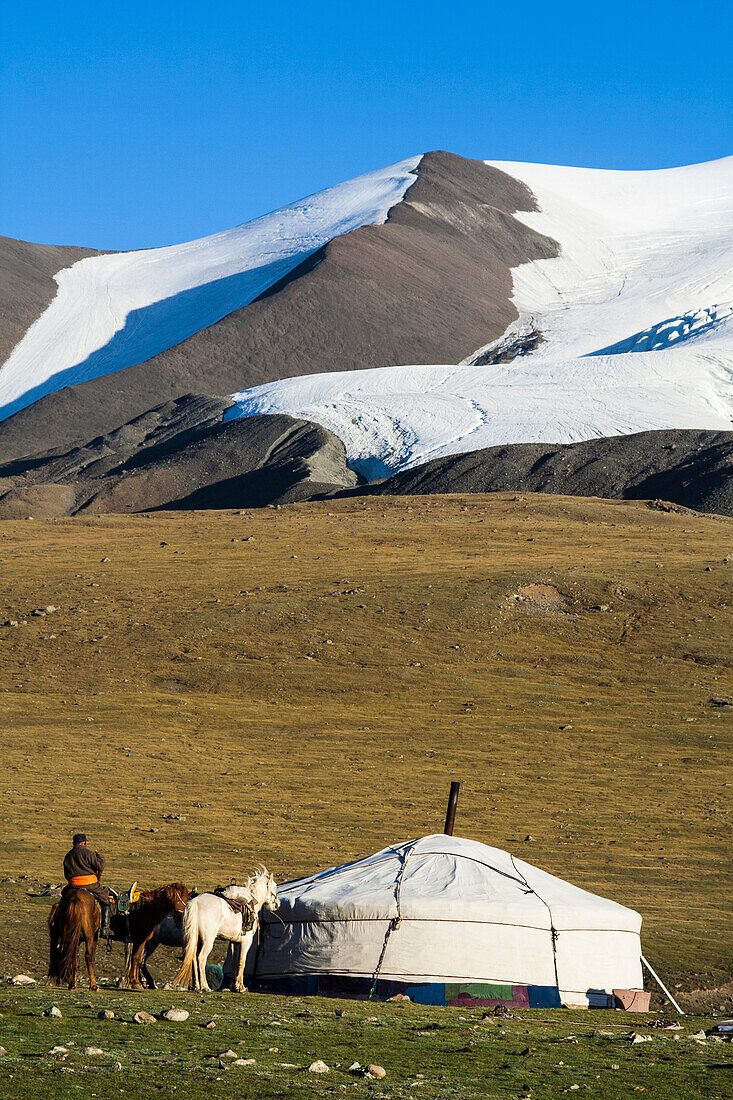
[82, 861]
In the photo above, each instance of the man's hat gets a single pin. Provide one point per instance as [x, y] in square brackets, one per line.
[79, 838]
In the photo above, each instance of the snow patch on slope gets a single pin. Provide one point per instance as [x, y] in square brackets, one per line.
[635, 314]
[113, 311]
[392, 418]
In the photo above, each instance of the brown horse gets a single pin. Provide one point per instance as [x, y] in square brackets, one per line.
[153, 907]
[76, 917]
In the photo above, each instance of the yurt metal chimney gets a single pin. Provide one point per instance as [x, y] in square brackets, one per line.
[450, 817]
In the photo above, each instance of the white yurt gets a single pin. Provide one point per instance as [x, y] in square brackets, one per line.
[448, 921]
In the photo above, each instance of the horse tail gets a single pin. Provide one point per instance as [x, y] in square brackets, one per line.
[190, 944]
[71, 933]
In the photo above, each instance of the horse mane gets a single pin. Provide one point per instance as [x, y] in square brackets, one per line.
[260, 872]
[171, 892]
[153, 905]
[245, 891]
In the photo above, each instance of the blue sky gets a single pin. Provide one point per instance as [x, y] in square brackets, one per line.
[130, 125]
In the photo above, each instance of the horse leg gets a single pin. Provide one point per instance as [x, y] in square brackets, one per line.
[54, 961]
[53, 978]
[134, 975]
[149, 980]
[123, 982]
[201, 960]
[243, 949]
[234, 953]
[150, 946]
[137, 961]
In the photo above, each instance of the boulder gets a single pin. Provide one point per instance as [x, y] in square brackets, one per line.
[175, 1015]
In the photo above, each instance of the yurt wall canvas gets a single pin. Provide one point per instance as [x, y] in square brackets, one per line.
[448, 921]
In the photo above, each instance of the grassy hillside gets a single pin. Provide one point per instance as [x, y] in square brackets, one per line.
[299, 686]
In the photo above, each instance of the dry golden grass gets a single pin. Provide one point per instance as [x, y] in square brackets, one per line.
[303, 683]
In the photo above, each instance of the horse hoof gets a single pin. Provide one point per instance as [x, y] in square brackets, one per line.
[94, 988]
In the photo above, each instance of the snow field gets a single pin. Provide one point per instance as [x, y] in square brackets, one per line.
[392, 418]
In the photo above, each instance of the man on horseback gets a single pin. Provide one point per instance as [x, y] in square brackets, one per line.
[83, 868]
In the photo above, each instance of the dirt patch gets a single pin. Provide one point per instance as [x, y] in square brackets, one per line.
[541, 598]
[717, 999]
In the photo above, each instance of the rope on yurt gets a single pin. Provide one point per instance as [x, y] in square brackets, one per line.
[553, 931]
[395, 922]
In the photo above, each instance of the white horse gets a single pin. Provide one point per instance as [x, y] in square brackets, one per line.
[209, 915]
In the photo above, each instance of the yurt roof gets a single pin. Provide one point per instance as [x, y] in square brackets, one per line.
[441, 877]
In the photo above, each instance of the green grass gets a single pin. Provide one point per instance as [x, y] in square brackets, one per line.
[427, 1052]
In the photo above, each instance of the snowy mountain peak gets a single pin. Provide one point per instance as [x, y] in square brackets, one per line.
[629, 327]
[112, 311]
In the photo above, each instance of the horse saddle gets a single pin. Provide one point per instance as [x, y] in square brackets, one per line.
[240, 906]
[128, 899]
[93, 888]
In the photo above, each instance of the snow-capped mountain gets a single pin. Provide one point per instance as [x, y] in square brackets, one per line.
[628, 328]
[540, 304]
[410, 264]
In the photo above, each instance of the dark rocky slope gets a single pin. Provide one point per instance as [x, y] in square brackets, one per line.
[184, 454]
[180, 455]
[689, 468]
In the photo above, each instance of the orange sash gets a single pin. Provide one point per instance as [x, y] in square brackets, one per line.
[83, 880]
